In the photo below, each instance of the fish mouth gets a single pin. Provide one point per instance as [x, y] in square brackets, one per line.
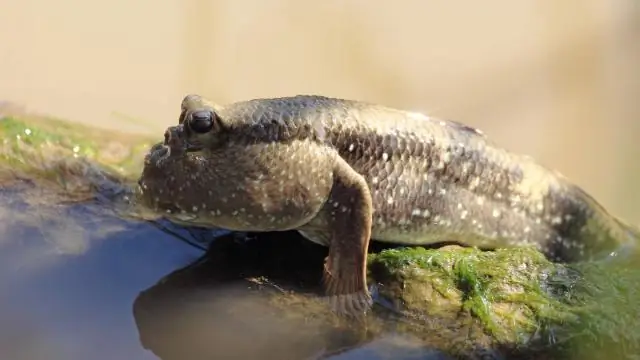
[157, 154]
[159, 149]
[175, 137]
[175, 145]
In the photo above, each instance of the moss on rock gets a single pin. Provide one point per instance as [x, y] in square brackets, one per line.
[504, 289]
[42, 148]
[517, 297]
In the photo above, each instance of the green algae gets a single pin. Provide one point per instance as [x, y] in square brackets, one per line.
[44, 147]
[501, 288]
[518, 297]
[604, 298]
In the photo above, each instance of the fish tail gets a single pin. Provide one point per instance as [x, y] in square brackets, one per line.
[628, 247]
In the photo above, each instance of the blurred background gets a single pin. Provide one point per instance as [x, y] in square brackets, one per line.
[558, 80]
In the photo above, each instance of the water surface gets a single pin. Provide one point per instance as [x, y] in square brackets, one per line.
[79, 283]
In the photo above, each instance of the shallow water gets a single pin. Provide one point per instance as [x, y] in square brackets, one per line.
[72, 294]
[71, 285]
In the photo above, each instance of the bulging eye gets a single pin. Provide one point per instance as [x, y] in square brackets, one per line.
[201, 121]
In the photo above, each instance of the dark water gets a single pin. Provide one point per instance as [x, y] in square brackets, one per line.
[76, 283]
[67, 292]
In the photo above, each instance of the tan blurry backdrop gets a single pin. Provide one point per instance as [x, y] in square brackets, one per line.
[558, 80]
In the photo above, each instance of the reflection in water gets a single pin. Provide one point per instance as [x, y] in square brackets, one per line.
[68, 277]
[73, 280]
[221, 307]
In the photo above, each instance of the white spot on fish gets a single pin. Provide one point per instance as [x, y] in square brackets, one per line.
[496, 213]
[351, 147]
[385, 156]
[465, 168]
[474, 183]
[463, 215]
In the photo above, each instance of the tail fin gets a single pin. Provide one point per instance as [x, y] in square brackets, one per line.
[626, 236]
[627, 250]
[632, 230]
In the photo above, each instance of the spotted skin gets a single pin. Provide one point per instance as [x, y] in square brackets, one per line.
[341, 172]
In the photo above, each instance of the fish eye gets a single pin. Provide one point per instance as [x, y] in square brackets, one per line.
[201, 121]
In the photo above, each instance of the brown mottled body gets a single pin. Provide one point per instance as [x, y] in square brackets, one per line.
[342, 171]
